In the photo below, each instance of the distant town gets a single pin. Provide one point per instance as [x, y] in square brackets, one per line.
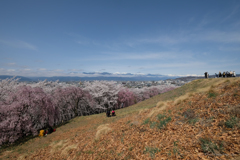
[133, 84]
[126, 83]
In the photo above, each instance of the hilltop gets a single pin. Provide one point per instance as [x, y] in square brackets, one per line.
[199, 120]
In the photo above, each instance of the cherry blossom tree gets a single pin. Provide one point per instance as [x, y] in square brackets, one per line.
[104, 93]
[125, 98]
[71, 102]
[8, 86]
[27, 108]
[24, 112]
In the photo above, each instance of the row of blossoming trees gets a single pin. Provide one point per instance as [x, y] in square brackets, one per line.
[27, 108]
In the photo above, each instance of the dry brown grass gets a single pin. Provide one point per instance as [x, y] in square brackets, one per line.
[101, 130]
[143, 110]
[161, 106]
[68, 148]
[57, 146]
[22, 157]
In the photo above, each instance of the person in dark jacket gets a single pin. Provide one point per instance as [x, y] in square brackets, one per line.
[50, 130]
[108, 113]
[220, 74]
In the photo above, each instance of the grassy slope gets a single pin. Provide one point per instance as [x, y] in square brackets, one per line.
[76, 138]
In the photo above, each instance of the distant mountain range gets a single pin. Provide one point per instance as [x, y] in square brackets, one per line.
[69, 78]
[20, 77]
[135, 78]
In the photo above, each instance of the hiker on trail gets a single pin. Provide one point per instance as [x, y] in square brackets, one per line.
[224, 74]
[113, 113]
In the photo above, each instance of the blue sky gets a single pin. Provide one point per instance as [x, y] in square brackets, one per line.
[71, 38]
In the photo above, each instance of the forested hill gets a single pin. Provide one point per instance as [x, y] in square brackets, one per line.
[200, 120]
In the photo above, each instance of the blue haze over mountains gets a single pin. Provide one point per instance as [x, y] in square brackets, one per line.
[114, 78]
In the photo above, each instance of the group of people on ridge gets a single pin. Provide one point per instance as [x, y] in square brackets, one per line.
[220, 74]
[225, 74]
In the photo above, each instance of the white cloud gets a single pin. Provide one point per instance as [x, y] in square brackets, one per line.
[234, 11]
[19, 44]
[26, 69]
[186, 75]
[58, 70]
[237, 49]
[190, 36]
[10, 70]
[139, 56]
[42, 69]
[11, 64]
[220, 36]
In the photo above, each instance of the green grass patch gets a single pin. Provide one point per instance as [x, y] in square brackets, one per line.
[175, 148]
[231, 122]
[152, 151]
[163, 120]
[193, 121]
[160, 116]
[131, 148]
[210, 147]
[212, 95]
[146, 121]
[89, 152]
[122, 139]
[153, 124]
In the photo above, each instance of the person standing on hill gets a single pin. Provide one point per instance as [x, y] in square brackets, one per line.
[206, 74]
[224, 74]
[234, 74]
[220, 74]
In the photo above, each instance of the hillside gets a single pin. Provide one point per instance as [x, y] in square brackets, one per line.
[199, 120]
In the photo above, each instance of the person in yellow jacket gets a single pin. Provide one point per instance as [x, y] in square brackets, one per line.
[41, 133]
